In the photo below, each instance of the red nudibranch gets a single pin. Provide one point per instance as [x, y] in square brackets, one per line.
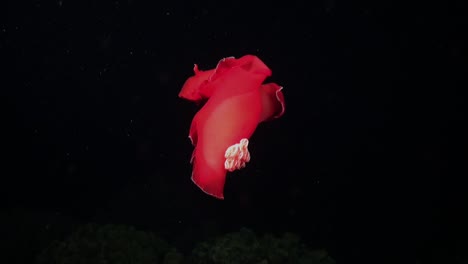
[236, 102]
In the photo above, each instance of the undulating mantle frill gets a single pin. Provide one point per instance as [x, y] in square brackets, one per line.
[236, 101]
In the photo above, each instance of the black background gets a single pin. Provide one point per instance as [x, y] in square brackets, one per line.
[369, 157]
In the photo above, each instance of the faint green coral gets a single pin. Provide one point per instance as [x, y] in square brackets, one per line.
[247, 248]
[173, 257]
[232, 248]
[116, 244]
